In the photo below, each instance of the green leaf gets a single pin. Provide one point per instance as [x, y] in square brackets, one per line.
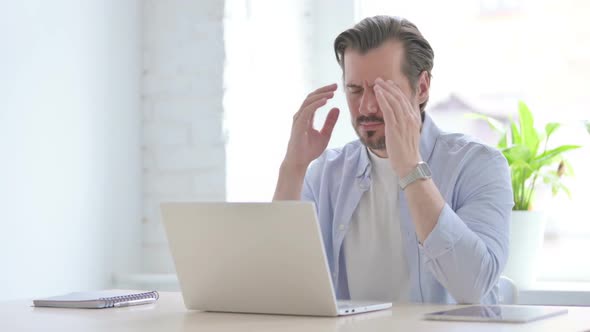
[520, 165]
[520, 171]
[554, 190]
[517, 153]
[520, 145]
[557, 187]
[527, 128]
[515, 134]
[547, 180]
[502, 142]
[569, 169]
[550, 177]
[550, 128]
[567, 191]
[547, 157]
[493, 123]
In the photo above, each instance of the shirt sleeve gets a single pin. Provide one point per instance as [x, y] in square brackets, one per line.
[306, 192]
[468, 248]
[311, 179]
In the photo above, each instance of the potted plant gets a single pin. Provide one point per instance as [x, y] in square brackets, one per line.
[531, 162]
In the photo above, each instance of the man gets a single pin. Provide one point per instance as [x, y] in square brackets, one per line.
[408, 213]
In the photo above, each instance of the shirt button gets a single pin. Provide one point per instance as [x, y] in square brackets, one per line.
[341, 227]
[333, 275]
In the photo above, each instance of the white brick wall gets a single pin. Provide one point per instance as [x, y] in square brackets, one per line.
[272, 62]
[182, 91]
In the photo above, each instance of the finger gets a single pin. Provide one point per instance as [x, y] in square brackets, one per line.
[392, 89]
[394, 102]
[331, 87]
[314, 97]
[310, 100]
[403, 100]
[330, 122]
[324, 91]
[386, 109]
[387, 85]
[306, 114]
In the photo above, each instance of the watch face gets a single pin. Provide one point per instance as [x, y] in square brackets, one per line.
[424, 169]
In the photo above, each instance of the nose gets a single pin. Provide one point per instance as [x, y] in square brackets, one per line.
[368, 100]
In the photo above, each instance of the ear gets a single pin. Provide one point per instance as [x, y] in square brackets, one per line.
[423, 87]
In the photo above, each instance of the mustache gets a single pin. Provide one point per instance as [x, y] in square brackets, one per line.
[370, 118]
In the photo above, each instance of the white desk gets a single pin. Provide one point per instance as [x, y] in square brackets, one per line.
[169, 314]
[541, 293]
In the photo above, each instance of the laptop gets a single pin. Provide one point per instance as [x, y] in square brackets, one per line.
[263, 258]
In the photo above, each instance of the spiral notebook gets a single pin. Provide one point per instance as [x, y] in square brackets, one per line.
[98, 300]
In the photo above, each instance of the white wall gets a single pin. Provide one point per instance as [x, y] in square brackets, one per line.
[69, 144]
[182, 91]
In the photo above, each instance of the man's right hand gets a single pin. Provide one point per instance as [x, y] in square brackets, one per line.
[306, 143]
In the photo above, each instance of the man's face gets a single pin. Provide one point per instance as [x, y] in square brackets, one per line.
[360, 73]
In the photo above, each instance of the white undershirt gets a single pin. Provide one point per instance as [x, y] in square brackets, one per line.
[375, 265]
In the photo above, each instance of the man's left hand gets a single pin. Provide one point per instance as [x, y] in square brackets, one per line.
[402, 126]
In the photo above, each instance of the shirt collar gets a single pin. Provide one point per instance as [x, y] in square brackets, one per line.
[428, 136]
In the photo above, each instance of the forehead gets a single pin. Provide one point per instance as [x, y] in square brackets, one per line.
[384, 61]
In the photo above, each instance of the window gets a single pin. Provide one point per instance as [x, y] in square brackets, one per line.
[485, 62]
[265, 83]
[541, 56]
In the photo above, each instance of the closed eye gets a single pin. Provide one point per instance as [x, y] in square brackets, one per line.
[354, 89]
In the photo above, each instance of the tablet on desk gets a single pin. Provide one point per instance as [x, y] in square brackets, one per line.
[497, 313]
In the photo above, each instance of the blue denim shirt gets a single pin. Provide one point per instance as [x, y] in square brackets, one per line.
[462, 258]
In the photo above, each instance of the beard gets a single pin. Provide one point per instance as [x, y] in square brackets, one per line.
[372, 140]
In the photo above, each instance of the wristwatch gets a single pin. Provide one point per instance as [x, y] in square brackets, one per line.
[421, 172]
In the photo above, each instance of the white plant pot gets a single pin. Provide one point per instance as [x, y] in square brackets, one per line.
[526, 239]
